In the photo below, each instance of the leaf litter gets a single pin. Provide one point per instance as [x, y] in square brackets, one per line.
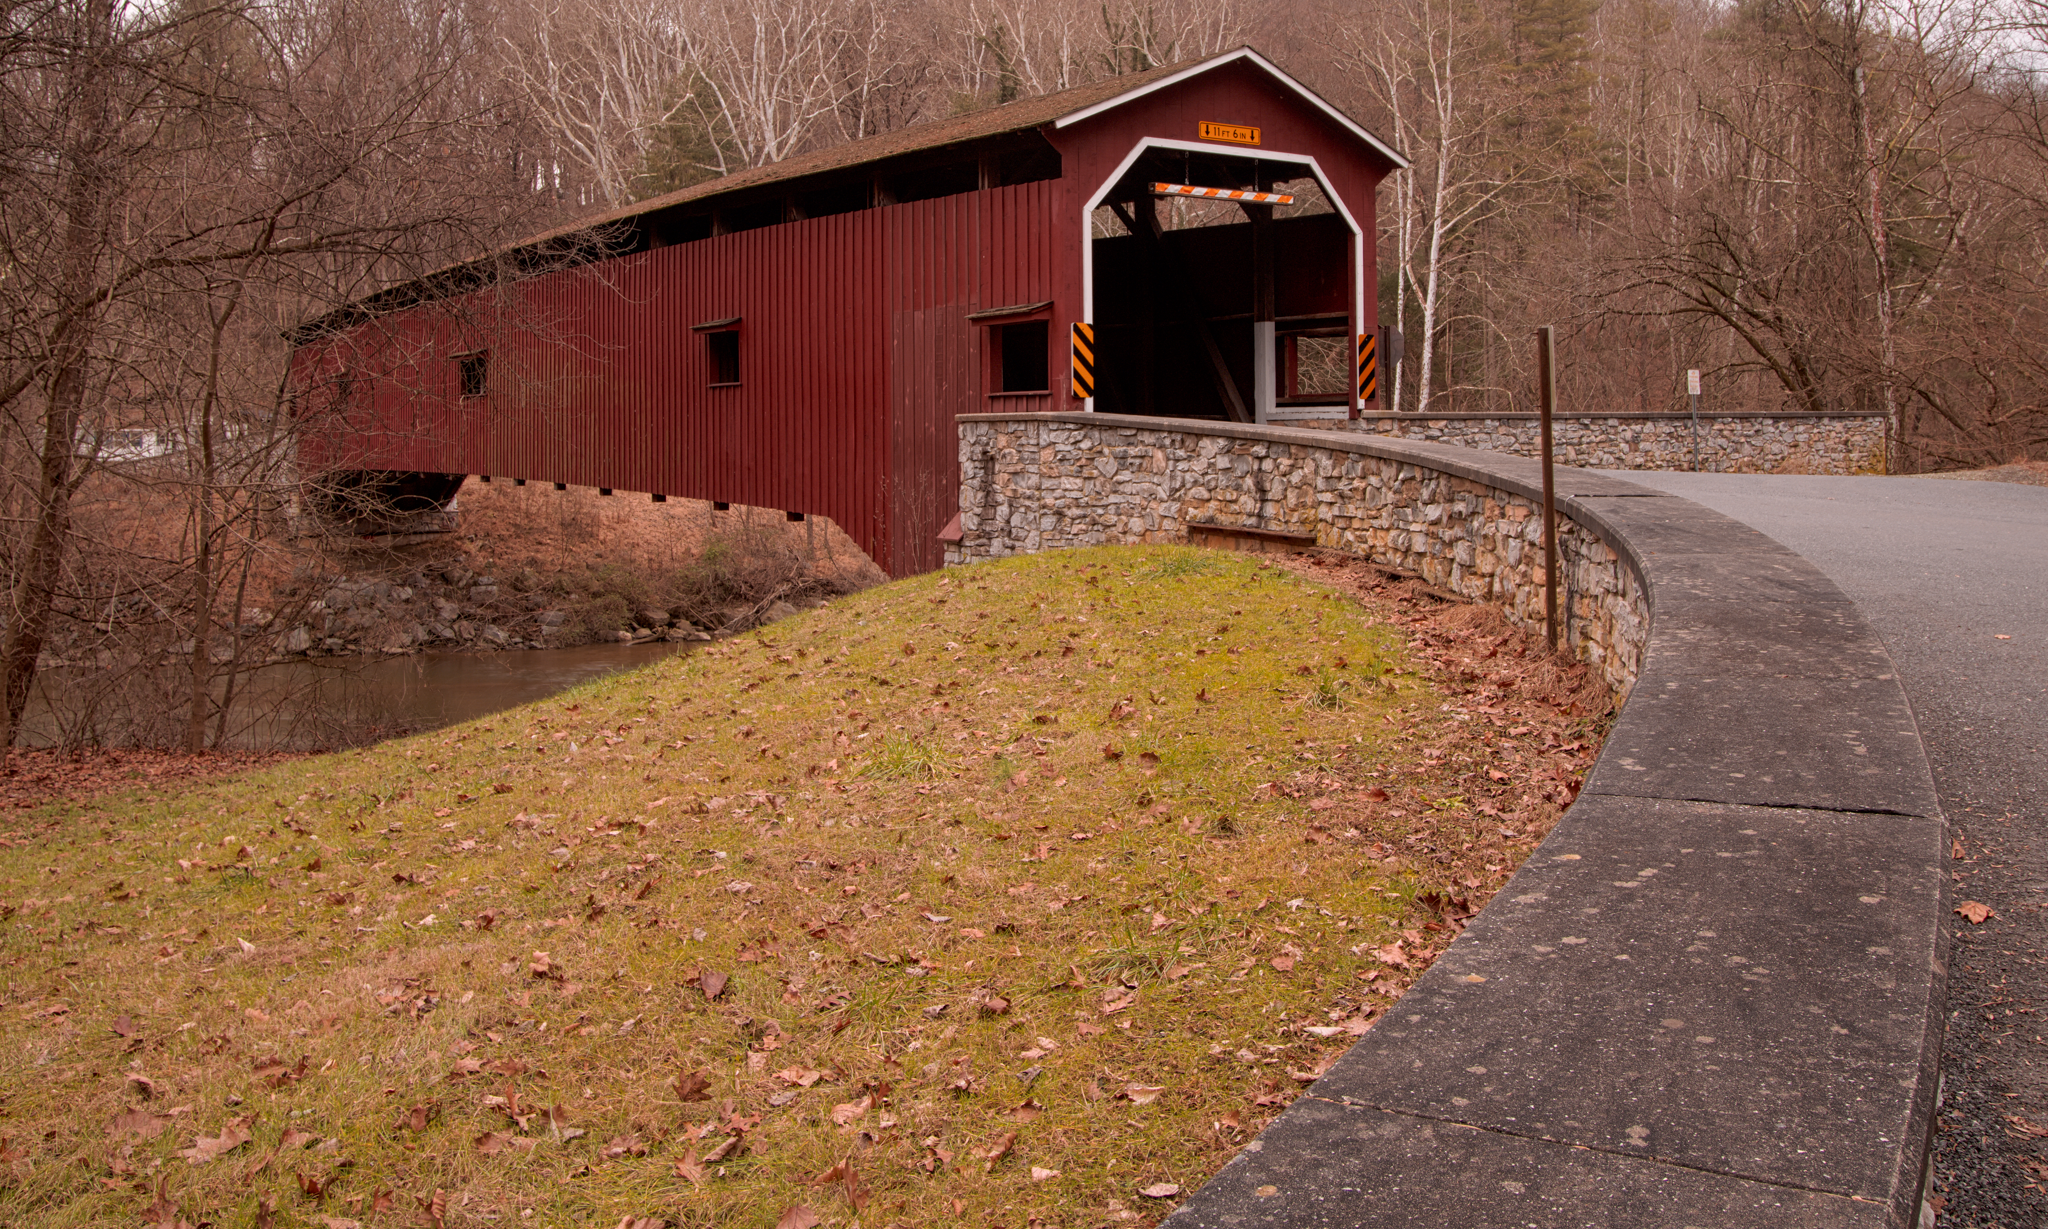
[1175, 824]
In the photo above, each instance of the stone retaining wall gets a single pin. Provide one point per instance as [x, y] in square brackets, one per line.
[1042, 482]
[1728, 443]
[1714, 994]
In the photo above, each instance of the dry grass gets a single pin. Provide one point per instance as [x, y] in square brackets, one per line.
[994, 896]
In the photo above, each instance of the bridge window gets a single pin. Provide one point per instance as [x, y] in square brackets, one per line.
[475, 369]
[1020, 353]
[721, 349]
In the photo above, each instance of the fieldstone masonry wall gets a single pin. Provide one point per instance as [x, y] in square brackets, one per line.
[1728, 443]
[1043, 482]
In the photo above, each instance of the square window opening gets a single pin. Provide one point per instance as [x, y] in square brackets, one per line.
[1022, 365]
[476, 372]
[723, 348]
[1317, 365]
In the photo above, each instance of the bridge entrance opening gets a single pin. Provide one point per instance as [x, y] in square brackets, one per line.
[1220, 308]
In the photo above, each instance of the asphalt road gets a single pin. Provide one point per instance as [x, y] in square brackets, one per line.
[1954, 576]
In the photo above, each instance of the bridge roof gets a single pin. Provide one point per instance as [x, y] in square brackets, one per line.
[1059, 110]
[582, 239]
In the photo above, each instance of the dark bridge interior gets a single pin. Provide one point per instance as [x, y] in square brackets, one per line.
[1183, 286]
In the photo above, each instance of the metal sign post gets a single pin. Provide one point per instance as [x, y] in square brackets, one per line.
[1692, 390]
[1546, 375]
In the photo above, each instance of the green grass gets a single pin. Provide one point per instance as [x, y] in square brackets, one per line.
[996, 850]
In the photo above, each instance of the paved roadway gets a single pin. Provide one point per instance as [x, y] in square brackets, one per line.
[1946, 570]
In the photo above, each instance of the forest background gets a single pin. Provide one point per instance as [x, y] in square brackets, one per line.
[1834, 205]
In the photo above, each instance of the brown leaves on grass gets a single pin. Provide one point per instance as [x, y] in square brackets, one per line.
[848, 1181]
[693, 1086]
[1000, 1149]
[801, 1217]
[849, 1112]
[491, 1143]
[274, 1073]
[162, 1211]
[314, 1186]
[690, 1168]
[710, 981]
[140, 1123]
[433, 1210]
[209, 1147]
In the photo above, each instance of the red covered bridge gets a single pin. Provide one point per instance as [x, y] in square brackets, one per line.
[800, 336]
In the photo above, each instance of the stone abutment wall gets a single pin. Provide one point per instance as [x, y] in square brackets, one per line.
[1047, 481]
[1727, 443]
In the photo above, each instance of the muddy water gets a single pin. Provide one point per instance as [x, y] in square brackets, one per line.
[332, 702]
[426, 690]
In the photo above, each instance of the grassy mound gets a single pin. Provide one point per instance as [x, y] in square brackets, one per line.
[1020, 892]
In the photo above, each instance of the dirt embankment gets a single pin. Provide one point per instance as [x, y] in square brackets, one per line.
[532, 567]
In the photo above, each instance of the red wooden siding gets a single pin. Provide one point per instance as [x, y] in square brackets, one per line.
[855, 355]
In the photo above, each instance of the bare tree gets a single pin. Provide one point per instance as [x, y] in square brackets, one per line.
[179, 175]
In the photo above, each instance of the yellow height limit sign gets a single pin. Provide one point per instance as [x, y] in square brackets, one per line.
[1236, 134]
[1084, 361]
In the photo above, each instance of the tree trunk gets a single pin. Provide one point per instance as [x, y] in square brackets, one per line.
[35, 585]
[205, 525]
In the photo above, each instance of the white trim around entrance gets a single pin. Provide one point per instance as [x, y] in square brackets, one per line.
[1358, 301]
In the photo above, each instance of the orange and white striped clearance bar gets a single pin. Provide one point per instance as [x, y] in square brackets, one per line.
[1222, 194]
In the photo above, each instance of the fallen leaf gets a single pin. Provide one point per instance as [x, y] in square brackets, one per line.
[848, 1181]
[140, 1123]
[1000, 1149]
[852, 1111]
[1142, 1094]
[691, 1168]
[262, 1163]
[801, 1077]
[1976, 911]
[232, 1136]
[124, 1025]
[1041, 1175]
[712, 983]
[726, 1147]
[1160, 1190]
[162, 1210]
[433, 1210]
[801, 1217]
[693, 1086]
[626, 1145]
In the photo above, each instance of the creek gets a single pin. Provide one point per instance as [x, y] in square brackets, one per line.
[318, 703]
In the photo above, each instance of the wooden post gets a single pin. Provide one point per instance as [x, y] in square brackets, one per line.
[1546, 375]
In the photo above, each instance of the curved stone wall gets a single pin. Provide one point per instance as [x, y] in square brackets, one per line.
[1713, 996]
[1750, 443]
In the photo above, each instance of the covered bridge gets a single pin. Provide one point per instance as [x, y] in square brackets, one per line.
[800, 336]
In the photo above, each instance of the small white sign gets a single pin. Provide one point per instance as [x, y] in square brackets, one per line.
[1692, 382]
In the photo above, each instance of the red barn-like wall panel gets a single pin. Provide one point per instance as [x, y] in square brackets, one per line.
[856, 346]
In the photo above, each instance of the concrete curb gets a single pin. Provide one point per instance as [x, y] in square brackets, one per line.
[1714, 996]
